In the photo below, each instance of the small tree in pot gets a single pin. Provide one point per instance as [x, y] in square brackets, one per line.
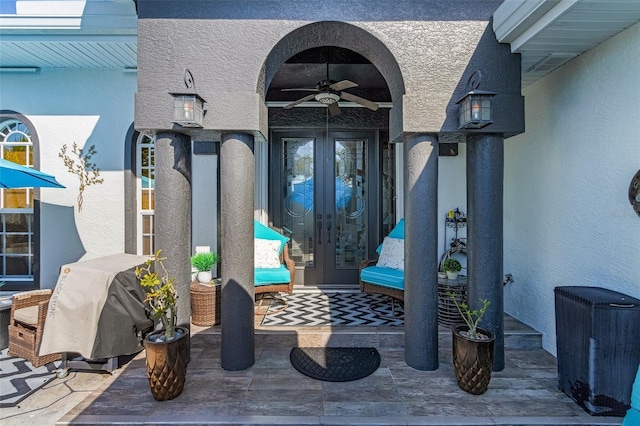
[472, 349]
[167, 349]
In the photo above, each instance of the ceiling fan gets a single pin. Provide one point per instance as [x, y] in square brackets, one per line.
[329, 92]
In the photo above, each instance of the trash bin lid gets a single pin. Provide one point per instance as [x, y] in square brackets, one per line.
[598, 296]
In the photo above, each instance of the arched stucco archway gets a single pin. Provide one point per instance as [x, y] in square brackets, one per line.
[339, 34]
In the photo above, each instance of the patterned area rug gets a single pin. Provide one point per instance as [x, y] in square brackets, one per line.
[18, 378]
[344, 309]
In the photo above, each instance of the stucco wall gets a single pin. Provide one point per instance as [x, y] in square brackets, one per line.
[567, 217]
[89, 108]
[226, 45]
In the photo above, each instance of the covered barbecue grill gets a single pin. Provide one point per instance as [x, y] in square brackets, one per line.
[97, 310]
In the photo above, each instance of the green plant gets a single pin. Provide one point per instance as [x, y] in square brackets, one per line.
[452, 264]
[86, 171]
[161, 297]
[203, 262]
[471, 317]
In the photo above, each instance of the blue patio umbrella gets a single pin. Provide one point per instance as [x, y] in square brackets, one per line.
[13, 175]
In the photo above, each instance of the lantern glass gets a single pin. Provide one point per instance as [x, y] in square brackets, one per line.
[475, 110]
[188, 110]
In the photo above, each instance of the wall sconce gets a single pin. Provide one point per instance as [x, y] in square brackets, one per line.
[188, 107]
[475, 109]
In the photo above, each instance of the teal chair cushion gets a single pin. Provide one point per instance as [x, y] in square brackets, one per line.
[266, 276]
[635, 392]
[385, 277]
[396, 232]
[632, 418]
[266, 233]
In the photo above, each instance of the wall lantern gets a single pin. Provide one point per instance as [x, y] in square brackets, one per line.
[188, 106]
[188, 109]
[475, 109]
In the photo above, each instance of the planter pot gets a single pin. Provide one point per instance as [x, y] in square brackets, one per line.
[206, 300]
[472, 360]
[167, 364]
[452, 275]
[204, 277]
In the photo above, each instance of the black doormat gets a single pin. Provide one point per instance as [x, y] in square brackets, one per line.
[335, 364]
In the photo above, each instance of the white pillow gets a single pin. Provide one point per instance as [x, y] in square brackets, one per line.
[392, 254]
[267, 253]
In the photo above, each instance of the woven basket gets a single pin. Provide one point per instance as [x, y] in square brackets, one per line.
[22, 344]
[205, 304]
[448, 314]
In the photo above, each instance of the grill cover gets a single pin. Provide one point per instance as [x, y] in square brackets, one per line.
[97, 309]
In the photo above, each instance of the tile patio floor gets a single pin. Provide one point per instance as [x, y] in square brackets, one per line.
[273, 392]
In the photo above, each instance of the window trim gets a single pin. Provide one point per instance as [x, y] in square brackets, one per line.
[30, 283]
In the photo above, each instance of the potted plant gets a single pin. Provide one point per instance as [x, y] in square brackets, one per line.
[203, 262]
[166, 349]
[452, 266]
[472, 349]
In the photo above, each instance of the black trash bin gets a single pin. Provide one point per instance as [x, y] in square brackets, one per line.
[598, 344]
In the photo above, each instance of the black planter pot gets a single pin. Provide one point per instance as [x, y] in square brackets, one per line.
[472, 360]
[167, 365]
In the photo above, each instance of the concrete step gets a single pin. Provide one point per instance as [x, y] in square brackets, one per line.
[516, 336]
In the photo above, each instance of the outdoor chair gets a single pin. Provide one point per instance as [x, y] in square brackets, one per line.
[385, 275]
[26, 324]
[274, 270]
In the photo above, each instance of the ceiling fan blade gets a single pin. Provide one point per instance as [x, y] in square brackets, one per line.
[299, 101]
[342, 85]
[334, 109]
[299, 89]
[357, 99]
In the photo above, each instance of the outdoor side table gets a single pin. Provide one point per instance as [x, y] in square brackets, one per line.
[448, 314]
[205, 303]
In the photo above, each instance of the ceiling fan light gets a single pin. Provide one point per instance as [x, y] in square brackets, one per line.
[327, 98]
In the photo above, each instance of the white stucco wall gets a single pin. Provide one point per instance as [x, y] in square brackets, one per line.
[568, 220]
[90, 108]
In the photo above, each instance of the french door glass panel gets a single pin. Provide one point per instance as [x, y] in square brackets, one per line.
[324, 205]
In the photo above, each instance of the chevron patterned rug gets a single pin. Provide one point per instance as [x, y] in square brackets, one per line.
[18, 378]
[343, 309]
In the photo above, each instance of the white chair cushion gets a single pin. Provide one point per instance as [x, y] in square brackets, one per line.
[28, 315]
[267, 253]
[392, 254]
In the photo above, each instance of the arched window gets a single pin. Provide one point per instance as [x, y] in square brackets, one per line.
[17, 246]
[145, 194]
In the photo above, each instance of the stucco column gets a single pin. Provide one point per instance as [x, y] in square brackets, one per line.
[485, 178]
[237, 172]
[421, 252]
[173, 213]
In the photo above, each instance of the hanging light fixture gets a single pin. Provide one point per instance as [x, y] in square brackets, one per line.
[188, 106]
[475, 109]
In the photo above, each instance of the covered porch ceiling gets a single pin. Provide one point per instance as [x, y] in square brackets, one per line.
[102, 34]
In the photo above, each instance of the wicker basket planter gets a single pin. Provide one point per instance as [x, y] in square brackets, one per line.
[448, 314]
[205, 304]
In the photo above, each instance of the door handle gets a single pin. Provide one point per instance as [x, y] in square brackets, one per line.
[319, 227]
[328, 232]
